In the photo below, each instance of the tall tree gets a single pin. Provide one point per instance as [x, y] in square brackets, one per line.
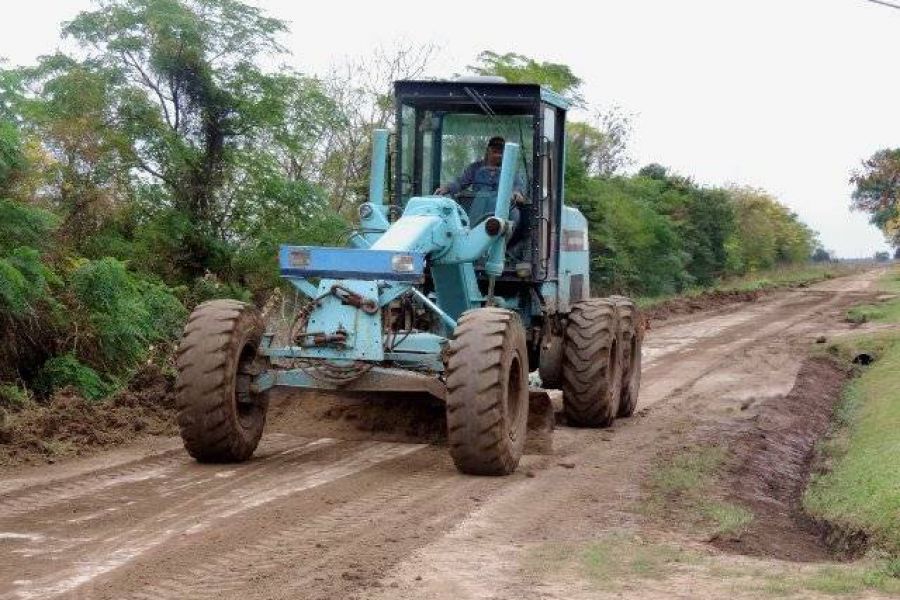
[602, 144]
[362, 91]
[877, 192]
[517, 68]
[169, 98]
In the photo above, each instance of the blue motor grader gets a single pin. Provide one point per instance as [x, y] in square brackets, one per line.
[461, 298]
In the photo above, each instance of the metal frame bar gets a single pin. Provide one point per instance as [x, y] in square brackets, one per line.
[377, 379]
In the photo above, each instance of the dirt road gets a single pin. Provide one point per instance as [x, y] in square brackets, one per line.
[320, 517]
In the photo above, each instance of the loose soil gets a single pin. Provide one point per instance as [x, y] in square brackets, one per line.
[771, 456]
[701, 302]
[317, 516]
[70, 425]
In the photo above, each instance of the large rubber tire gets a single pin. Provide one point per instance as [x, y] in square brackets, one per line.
[631, 333]
[592, 361]
[219, 418]
[487, 392]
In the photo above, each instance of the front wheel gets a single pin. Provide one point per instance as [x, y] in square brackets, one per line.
[220, 419]
[487, 392]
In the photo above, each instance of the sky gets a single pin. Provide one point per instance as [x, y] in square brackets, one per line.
[784, 95]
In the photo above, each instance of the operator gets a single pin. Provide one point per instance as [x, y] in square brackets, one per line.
[484, 175]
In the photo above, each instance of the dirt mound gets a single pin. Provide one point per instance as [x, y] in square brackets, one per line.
[773, 454]
[71, 425]
[413, 418]
[705, 301]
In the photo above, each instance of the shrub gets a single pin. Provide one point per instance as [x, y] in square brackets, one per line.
[23, 225]
[66, 370]
[14, 397]
[122, 314]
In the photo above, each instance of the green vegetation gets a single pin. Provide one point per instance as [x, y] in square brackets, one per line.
[683, 484]
[780, 277]
[621, 557]
[860, 490]
[162, 161]
[832, 580]
[877, 192]
[623, 560]
[615, 559]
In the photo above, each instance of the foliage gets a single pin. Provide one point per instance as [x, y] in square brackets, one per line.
[820, 254]
[859, 493]
[601, 146]
[657, 233]
[63, 371]
[877, 191]
[13, 396]
[516, 68]
[23, 225]
[766, 233]
[121, 316]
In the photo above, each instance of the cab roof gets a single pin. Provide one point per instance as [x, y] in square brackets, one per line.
[495, 95]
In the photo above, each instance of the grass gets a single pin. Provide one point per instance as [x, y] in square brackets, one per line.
[620, 557]
[833, 580]
[623, 559]
[763, 280]
[684, 484]
[614, 559]
[884, 312]
[860, 490]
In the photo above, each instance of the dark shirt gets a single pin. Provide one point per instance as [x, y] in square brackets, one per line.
[482, 178]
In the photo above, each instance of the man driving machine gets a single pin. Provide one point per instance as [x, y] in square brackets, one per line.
[483, 175]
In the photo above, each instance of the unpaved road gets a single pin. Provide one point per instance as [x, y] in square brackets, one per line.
[320, 517]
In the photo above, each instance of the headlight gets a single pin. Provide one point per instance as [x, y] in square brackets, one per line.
[403, 263]
[299, 258]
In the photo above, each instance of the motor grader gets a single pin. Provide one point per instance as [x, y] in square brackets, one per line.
[459, 297]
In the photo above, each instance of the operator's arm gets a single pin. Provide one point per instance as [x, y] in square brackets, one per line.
[462, 182]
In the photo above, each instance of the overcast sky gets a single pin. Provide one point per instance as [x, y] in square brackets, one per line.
[785, 95]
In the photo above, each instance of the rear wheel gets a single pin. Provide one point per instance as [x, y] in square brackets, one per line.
[220, 419]
[592, 361]
[487, 392]
[632, 336]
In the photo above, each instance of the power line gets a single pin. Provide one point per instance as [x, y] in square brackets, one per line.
[885, 3]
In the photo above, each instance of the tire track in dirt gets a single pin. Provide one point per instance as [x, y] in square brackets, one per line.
[202, 511]
[294, 545]
[31, 498]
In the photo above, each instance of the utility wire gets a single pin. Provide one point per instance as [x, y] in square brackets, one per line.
[885, 3]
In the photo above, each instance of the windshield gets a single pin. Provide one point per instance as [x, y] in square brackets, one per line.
[438, 147]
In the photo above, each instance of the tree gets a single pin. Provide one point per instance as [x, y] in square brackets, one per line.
[166, 144]
[877, 192]
[517, 68]
[362, 93]
[199, 116]
[766, 232]
[601, 144]
[820, 254]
